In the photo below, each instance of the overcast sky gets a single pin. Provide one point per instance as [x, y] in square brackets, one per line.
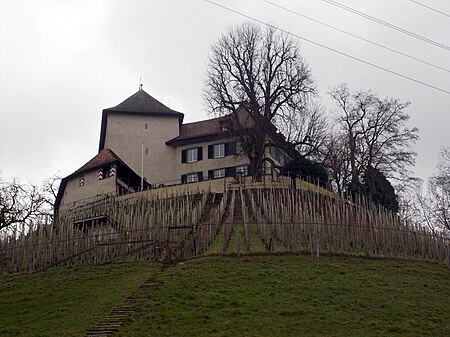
[62, 62]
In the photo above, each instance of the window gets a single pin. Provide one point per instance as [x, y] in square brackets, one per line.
[81, 181]
[243, 169]
[191, 178]
[106, 172]
[219, 173]
[278, 155]
[275, 174]
[191, 155]
[238, 148]
[146, 126]
[219, 151]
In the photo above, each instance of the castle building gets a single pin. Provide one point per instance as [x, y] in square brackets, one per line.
[144, 144]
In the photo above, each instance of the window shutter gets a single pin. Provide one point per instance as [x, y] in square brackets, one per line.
[200, 153]
[250, 171]
[210, 174]
[183, 179]
[230, 148]
[210, 151]
[230, 171]
[200, 176]
[183, 156]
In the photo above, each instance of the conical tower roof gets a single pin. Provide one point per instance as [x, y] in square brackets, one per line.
[142, 103]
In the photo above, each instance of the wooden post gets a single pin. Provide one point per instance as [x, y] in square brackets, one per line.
[193, 240]
[448, 254]
[30, 261]
[317, 248]
[238, 243]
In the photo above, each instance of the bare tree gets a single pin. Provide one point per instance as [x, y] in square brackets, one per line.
[428, 204]
[336, 159]
[377, 132]
[439, 191]
[263, 70]
[308, 132]
[18, 203]
[23, 204]
[409, 207]
[49, 191]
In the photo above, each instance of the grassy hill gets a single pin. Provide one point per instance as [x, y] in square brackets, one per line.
[254, 295]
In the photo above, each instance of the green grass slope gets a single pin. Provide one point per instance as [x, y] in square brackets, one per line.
[257, 295]
[65, 301]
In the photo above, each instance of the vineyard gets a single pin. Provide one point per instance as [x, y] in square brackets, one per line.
[241, 219]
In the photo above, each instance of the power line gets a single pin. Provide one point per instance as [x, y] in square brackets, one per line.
[356, 36]
[430, 8]
[387, 24]
[329, 48]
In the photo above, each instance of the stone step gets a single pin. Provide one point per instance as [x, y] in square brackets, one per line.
[117, 316]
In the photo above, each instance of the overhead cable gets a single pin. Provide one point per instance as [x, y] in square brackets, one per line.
[328, 48]
[430, 8]
[387, 24]
[356, 36]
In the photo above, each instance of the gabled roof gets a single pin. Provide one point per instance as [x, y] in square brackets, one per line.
[140, 103]
[104, 157]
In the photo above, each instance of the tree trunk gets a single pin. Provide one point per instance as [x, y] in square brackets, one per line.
[258, 157]
[352, 145]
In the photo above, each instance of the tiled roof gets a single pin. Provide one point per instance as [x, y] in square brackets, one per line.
[211, 126]
[105, 156]
[200, 128]
[141, 102]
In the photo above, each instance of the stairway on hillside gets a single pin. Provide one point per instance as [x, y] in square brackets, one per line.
[206, 225]
[243, 238]
[270, 242]
[119, 315]
[210, 207]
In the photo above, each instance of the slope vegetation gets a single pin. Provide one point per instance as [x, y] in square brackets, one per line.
[254, 295]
